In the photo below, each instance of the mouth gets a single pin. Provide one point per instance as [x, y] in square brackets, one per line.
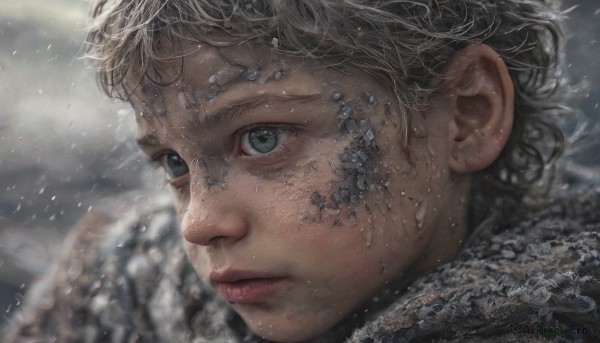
[243, 286]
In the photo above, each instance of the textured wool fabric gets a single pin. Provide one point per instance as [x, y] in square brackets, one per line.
[124, 277]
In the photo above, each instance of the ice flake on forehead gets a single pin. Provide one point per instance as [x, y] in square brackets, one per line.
[239, 63]
[280, 71]
[259, 65]
[369, 99]
[218, 81]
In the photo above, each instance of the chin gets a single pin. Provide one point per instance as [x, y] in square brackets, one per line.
[286, 331]
[284, 336]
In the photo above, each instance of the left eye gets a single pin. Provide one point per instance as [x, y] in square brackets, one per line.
[174, 165]
[262, 140]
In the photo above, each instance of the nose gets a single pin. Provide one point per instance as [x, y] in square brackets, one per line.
[212, 220]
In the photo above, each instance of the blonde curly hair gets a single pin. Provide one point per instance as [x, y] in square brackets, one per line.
[404, 44]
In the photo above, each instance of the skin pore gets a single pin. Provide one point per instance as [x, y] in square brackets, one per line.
[294, 174]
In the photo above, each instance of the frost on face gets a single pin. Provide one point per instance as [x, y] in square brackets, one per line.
[359, 170]
[231, 73]
[250, 74]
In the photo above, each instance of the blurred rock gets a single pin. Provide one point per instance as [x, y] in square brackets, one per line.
[58, 154]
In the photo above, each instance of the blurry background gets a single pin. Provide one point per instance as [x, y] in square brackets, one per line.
[64, 146]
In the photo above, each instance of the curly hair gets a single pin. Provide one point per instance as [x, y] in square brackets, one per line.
[404, 44]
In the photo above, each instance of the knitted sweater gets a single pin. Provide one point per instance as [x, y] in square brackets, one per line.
[124, 277]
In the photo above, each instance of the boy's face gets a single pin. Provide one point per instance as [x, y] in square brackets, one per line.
[295, 197]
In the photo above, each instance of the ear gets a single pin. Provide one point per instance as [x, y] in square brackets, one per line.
[479, 94]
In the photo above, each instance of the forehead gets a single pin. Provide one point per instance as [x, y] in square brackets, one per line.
[213, 70]
[211, 79]
[206, 76]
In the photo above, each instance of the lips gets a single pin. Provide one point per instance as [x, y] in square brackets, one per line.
[244, 286]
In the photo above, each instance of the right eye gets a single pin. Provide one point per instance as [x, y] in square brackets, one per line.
[174, 165]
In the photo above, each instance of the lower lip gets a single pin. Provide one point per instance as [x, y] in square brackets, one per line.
[248, 290]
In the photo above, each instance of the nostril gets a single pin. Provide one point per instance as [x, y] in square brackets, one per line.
[216, 239]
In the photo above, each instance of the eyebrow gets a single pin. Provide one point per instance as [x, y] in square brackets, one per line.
[224, 115]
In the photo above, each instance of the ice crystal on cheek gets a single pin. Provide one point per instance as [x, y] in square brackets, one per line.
[358, 170]
[318, 200]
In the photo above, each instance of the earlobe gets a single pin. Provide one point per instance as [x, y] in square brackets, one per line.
[479, 94]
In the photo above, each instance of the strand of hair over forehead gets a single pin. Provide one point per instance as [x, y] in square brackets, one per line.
[127, 27]
[404, 44]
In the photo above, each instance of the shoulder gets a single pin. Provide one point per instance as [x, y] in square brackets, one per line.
[123, 276]
[519, 281]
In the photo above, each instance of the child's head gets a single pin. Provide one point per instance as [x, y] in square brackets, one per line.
[321, 150]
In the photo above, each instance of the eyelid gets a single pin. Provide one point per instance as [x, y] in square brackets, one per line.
[264, 125]
[155, 157]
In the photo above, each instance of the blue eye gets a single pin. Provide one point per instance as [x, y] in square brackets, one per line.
[174, 165]
[262, 140]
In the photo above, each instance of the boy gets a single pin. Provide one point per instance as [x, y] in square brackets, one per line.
[325, 157]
